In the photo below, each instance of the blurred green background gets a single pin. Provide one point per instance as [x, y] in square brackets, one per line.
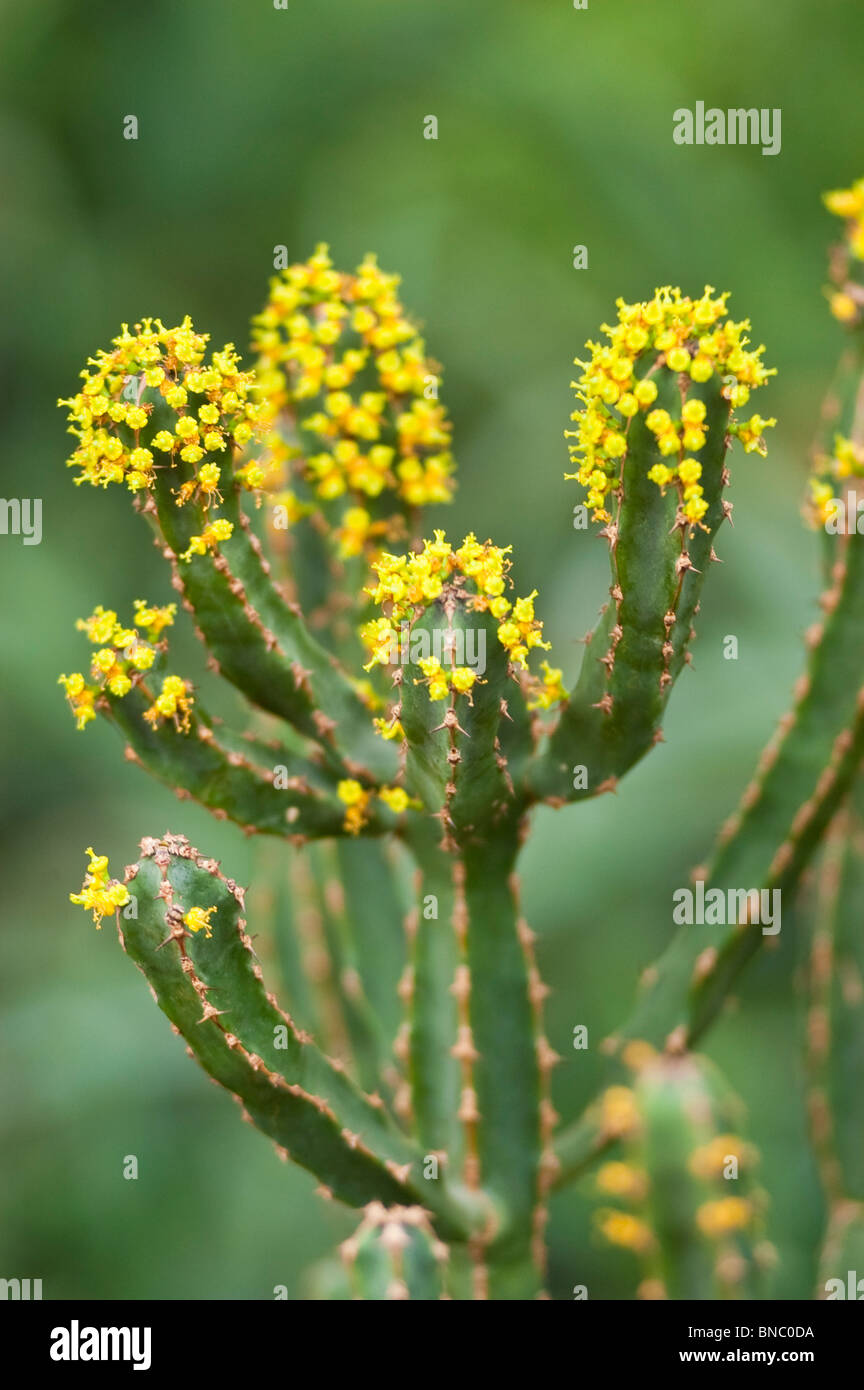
[261, 126]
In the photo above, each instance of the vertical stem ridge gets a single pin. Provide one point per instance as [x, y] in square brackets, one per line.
[433, 1023]
[507, 1072]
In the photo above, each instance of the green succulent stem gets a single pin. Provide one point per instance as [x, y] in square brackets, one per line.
[835, 1044]
[512, 1059]
[635, 653]
[237, 782]
[802, 779]
[433, 1016]
[212, 990]
[395, 1255]
[684, 1111]
[256, 639]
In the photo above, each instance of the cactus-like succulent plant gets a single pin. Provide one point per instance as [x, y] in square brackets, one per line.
[402, 718]
[835, 1037]
[683, 1188]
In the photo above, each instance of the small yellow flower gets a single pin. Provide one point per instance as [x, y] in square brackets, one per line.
[638, 1053]
[661, 474]
[843, 307]
[141, 657]
[213, 533]
[618, 1111]
[750, 433]
[646, 393]
[396, 798]
[389, 729]
[81, 698]
[100, 894]
[462, 678]
[701, 368]
[709, 1160]
[620, 1228]
[99, 626]
[621, 1180]
[153, 620]
[352, 534]
[209, 476]
[174, 702]
[356, 799]
[695, 508]
[548, 690]
[678, 359]
[689, 471]
[119, 684]
[198, 919]
[718, 1218]
[658, 421]
[350, 791]
[436, 677]
[848, 203]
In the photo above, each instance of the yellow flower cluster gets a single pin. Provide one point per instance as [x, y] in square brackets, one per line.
[153, 401]
[213, 533]
[100, 894]
[726, 1214]
[709, 1160]
[389, 728]
[173, 702]
[619, 1114]
[637, 1053]
[123, 655]
[339, 358]
[356, 798]
[848, 203]
[198, 919]
[622, 1229]
[617, 1179]
[547, 689]
[847, 296]
[356, 530]
[440, 681]
[692, 338]
[626, 1181]
[406, 584]
[847, 461]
